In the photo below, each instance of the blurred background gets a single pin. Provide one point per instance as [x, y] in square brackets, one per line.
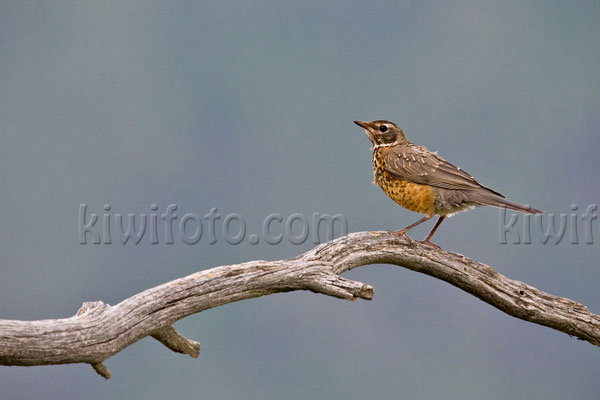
[248, 107]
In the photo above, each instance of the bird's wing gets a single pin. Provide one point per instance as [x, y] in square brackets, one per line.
[418, 165]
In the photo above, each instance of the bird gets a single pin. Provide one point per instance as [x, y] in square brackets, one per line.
[422, 181]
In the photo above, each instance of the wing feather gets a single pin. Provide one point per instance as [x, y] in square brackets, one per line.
[418, 165]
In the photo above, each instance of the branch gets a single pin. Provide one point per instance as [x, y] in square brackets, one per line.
[99, 331]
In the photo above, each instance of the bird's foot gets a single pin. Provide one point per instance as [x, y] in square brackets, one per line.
[401, 234]
[428, 243]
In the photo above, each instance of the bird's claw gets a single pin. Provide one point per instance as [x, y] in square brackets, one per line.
[401, 234]
[428, 243]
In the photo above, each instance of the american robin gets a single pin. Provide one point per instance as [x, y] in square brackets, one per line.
[424, 182]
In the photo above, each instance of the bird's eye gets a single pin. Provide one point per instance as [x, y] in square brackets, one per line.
[383, 128]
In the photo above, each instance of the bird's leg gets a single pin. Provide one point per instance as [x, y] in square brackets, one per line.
[403, 231]
[427, 240]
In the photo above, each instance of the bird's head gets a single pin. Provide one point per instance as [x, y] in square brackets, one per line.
[382, 132]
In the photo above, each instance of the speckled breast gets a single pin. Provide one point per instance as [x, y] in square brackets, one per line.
[412, 196]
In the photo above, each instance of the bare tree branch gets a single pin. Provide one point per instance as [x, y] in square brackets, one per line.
[98, 330]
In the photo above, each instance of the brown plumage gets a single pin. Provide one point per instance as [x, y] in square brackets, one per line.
[424, 182]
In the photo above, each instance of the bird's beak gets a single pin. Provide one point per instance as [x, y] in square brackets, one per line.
[368, 132]
[361, 124]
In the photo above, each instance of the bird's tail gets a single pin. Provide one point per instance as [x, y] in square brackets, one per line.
[492, 199]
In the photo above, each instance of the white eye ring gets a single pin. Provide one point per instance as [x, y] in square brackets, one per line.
[383, 128]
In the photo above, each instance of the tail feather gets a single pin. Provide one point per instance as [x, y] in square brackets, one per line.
[491, 199]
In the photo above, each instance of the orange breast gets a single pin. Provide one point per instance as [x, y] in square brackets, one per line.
[412, 196]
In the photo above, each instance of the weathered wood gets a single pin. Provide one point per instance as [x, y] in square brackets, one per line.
[98, 330]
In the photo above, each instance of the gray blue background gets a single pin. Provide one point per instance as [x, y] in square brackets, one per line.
[248, 107]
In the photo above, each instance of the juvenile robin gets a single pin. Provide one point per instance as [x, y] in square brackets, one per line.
[424, 182]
